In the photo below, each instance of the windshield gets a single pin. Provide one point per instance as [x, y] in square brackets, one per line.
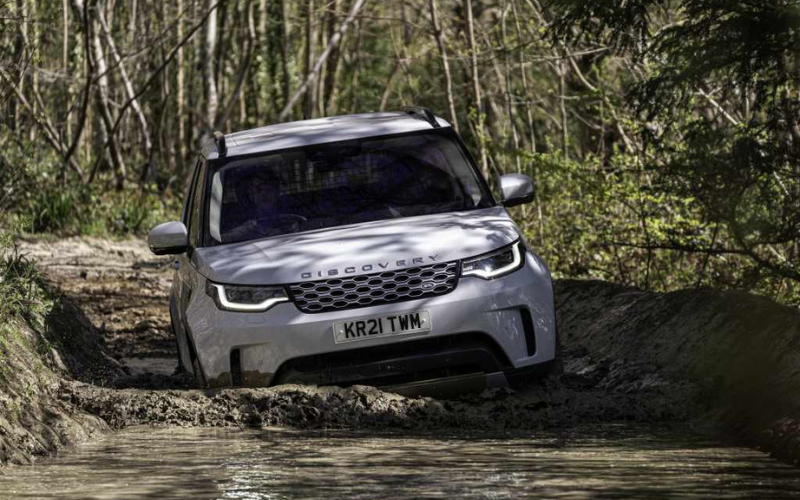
[334, 184]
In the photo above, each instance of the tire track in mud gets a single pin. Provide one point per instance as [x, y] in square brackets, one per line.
[121, 288]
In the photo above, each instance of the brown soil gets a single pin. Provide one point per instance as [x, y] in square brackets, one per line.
[726, 358]
[735, 356]
[120, 286]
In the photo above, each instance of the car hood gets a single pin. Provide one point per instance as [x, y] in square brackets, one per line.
[359, 248]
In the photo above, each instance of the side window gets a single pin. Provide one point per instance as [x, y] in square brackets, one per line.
[196, 207]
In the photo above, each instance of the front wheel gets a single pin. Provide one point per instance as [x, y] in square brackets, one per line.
[198, 373]
[181, 368]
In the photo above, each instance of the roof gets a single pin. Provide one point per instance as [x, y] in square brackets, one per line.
[318, 131]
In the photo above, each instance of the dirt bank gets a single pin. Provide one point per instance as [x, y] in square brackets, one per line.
[33, 421]
[37, 353]
[728, 358]
[737, 355]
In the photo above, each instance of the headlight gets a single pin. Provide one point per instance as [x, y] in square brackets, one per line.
[245, 298]
[495, 264]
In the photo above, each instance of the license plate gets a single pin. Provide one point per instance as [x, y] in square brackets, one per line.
[383, 326]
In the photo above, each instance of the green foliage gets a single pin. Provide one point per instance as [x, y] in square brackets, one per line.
[81, 209]
[719, 97]
[51, 210]
[21, 292]
[20, 288]
[44, 199]
[24, 300]
[621, 222]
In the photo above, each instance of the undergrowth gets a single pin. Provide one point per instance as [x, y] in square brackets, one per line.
[21, 292]
[38, 191]
[23, 300]
[88, 210]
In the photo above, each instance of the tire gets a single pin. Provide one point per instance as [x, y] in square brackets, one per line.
[181, 368]
[198, 373]
[196, 370]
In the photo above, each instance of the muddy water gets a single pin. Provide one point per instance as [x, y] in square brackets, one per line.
[610, 461]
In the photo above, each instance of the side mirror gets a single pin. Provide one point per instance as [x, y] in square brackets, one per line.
[168, 238]
[517, 189]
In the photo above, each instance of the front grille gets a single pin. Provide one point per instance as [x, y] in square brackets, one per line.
[373, 289]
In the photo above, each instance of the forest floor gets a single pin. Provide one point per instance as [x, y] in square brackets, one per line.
[726, 359]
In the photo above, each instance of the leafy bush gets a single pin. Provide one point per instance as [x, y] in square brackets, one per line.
[21, 292]
[618, 221]
[53, 210]
[20, 288]
[36, 190]
[80, 209]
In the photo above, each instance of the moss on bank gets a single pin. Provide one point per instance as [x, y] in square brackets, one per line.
[33, 420]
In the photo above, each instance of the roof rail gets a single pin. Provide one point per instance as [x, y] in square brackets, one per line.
[424, 113]
[219, 140]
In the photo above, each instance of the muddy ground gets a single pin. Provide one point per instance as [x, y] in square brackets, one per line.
[729, 360]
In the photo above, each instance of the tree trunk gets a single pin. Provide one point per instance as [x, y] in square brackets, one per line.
[65, 34]
[103, 105]
[332, 67]
[65, 61]
[209, 66]
[563, 109]
[388, 90]
[221, 50]
[355, 101]
[476, 89]
[84, 109]
[149, 171]
[309, 101]
[245, 65]
[307, 85]
[181, 96]
[508, 85]
[21, 60]
[267, 42]
[398, 61]
[285, 28]
[448, 80]
[524, 77]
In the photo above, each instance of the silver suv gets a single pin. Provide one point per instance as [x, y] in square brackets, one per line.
[354, 249]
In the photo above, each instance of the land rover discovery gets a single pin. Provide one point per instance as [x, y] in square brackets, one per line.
[354, 249]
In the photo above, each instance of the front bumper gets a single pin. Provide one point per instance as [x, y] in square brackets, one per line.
[257, 349]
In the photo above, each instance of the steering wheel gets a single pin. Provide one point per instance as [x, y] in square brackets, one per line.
[297, 218]
[271, 226]
[280, 220]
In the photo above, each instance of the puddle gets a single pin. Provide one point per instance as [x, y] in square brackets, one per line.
[608, 461]
[158, 366]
